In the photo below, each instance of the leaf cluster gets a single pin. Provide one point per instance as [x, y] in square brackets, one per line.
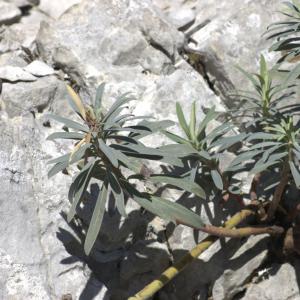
[105, 144]
[286, 33]
[202, 149]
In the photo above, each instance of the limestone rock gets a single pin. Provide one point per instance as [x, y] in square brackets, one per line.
[281, 282]
[149, 260]
[13, 74]
[39, 69]
[182, 18]
[17, 279]
[56, 8]
[29, 205]
[17, 99]
[9, 13]
[23, 3]
[231, 35]
[13, 58]
[140, 56]
[236, 274]
[108, 46]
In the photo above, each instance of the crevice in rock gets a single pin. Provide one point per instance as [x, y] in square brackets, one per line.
[170, 250]
[209, 66]
[196, 59]
[25, 10]
[196, 28]
[158, 47]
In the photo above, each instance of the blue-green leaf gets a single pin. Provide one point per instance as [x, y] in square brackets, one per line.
[175, 138]
[295, 173]
[80, 192]
[182, 120]
[96, 220]
[182, 183]
[108, 153]
[118, 193]
[217, 179]
[168, 210]
[65, 135]
[69, 123]
[99, 95]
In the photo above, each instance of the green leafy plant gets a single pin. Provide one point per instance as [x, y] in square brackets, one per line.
[202, 149]
[264, 104]
[106, 146]
[286, 32]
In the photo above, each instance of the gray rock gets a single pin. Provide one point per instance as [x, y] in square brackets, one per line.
[34, 17]
[56, 8]
[9, 13]
[17, 36]
[182, 18]
[231, 37]
[109, 47]
[18, 279]
[13, 74]
[232, 281]
[149, 259]
[13, 58]
[282, 283]
[23, 33]
[31, 255]
[21, 98]
[39, 68]
[139, 56]
[146, 257]
[22, 3]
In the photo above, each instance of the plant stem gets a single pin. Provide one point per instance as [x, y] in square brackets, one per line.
[254, 185]
[241, 232]
[174, 270]
[284, 178]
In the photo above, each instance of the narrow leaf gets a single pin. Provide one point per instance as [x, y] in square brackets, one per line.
[295, 173]
[170, 211]
[175, 138]
[182, 120]
[262, 167]
[77, 101]
[58, 167]
[118, 193]
[217, 179]
[108, 153]
[65, 135]
[99, 95]
[182, 183]
[212, 114]
[96, 220]
[192, 126]
[69, 123]
[79, 194]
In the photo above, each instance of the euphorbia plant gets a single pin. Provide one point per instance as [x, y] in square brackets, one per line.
[108, 147]
[106, 144]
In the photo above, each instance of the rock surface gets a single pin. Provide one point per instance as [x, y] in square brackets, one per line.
[56, 8]
[237, 273]
[282, 283]
[135, 46]
[9, 13]
[13, 74]
[39, 68]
